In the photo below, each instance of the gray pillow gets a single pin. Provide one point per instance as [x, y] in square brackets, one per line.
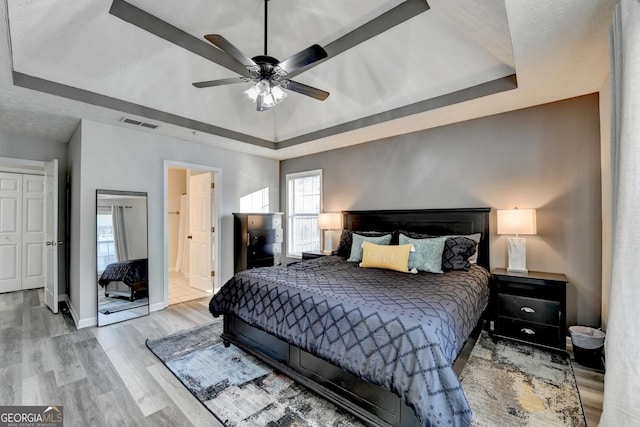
[356, 246]
[346, 240]
[473, 259]
[457, 252]
[427, 255]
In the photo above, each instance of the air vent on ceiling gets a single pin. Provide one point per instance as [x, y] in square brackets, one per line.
[138, 123]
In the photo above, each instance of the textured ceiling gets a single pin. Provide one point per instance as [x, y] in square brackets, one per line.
[86, 63]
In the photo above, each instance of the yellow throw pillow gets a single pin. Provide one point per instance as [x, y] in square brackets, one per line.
[394, 257]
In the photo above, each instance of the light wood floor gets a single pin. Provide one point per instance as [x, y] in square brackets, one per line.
[107, 376]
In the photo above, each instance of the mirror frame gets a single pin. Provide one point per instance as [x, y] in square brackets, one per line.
[131, 314]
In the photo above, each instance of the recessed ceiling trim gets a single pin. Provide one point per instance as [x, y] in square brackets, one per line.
[54, 88]
[59, 89]
[489, 88]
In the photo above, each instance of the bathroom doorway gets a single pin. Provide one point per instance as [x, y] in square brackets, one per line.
[191, 230]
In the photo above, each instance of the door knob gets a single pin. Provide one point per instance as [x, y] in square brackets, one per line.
[189, 237]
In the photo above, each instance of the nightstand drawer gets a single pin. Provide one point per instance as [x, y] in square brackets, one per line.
[528, 331]
[529, 309]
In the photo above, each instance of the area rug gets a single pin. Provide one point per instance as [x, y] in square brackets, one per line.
[239, 390]
[513, 384]
[115, 305]
[506, 384]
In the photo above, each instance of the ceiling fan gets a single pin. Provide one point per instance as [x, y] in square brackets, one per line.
[268, 74]
[263, 68]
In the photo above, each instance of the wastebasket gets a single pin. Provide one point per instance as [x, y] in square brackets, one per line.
[587, 345]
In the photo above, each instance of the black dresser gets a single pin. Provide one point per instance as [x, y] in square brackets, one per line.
[530, 307]
[257, 240]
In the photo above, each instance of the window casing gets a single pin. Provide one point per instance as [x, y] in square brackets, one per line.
[304, 198]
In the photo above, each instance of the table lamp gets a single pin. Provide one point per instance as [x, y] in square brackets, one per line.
[517, 221]
[329, 221]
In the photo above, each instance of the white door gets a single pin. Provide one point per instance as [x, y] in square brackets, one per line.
[32, 231]
[10, 228]
[200, 232]
[51, 235]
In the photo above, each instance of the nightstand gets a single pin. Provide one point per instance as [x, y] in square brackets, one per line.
[313, 254]
[530, 307]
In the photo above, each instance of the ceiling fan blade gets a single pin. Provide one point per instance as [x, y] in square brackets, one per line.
[378, 25]
[164, 30]
[389, 19]
[220, 82]
[298, 62]
[318, 94]
[234, 52]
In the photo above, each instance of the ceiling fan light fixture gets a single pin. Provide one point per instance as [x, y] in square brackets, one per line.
[252, 93]
[278, 94]
[271, 95]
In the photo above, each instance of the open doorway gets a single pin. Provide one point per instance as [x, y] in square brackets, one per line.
[191, 230]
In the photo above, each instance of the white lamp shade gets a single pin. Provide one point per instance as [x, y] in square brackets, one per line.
[330, 221]
[517, 221]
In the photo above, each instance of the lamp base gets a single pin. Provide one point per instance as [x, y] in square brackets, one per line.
[517, 255]
[328, 242]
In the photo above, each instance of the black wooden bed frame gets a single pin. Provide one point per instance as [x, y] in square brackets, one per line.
[371, 403]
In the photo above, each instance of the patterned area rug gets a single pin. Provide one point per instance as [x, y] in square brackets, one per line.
[239, 390]
[507, 384]
[517, 385]
[115, 305]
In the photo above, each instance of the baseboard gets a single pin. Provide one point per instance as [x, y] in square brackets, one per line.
[87, 323]
[80, 323]
[157, 306]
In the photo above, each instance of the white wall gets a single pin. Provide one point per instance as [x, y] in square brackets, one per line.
[607, 201]
[177, 187]
[79, 222]
[117, 158]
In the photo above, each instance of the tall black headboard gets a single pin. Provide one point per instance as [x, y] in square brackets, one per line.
[437, 222]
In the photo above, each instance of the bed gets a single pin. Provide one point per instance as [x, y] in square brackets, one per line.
[133, 273]
[378, 343]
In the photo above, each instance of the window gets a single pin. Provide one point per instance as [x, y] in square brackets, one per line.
[304, 195]
[106, 247]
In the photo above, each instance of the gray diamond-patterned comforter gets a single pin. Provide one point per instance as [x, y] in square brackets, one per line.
[402, 331]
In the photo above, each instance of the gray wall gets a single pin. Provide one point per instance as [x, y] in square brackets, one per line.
[20, 147]
[118, 158]
[545, 157]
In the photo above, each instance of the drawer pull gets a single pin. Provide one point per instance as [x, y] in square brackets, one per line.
[527, 331]
[527, 309]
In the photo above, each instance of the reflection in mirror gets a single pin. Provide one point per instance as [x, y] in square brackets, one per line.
[121, 255]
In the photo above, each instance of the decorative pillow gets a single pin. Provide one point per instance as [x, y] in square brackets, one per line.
[395, 257]
[457, 253]
[356, 246]
[476, 238]
[428, 254]
[411, 234]
[344, 247]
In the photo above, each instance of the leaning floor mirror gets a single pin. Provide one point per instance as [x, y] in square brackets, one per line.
[121, 255]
